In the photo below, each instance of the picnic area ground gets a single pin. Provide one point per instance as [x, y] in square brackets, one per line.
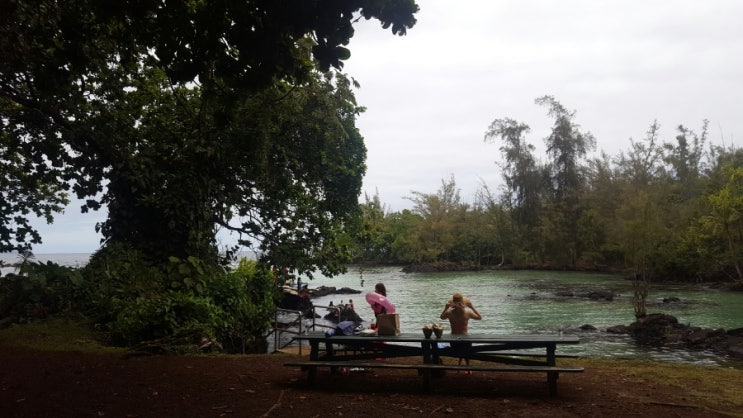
[114, 383]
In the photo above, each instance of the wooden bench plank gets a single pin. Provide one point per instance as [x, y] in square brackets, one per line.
[553, 372]
[518, 354]
[384, 365]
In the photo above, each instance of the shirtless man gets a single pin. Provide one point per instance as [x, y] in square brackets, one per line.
[459, 311]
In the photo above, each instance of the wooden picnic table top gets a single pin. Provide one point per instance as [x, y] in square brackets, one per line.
[485, 347]
[536, 339]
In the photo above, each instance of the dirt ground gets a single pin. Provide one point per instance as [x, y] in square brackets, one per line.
[75, 384]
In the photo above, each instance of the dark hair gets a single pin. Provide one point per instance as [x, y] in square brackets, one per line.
[379, 288]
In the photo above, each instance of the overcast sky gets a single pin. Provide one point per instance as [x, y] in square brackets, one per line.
[431, 95]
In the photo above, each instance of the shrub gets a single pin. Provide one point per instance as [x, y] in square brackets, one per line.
[247, 296]
[39, 290]
[135, 299]
[172, 314]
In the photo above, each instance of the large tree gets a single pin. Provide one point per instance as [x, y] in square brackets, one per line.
[183, 115]
[524, 184]
[567, 147]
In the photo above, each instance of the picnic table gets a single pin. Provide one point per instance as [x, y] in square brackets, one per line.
[495, 353]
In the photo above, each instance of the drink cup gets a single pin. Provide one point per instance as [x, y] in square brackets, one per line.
[427, 332]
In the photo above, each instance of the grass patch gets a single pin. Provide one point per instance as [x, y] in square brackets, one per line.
[55, 334]
[718, 385]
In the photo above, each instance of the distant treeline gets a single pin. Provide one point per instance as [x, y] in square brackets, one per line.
[661, 210]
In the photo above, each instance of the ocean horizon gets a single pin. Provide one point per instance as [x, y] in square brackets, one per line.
[76, 260]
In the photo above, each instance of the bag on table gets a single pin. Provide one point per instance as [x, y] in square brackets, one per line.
[343, 328]
[388, 324]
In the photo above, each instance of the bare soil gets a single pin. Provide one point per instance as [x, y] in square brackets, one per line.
[84, 384]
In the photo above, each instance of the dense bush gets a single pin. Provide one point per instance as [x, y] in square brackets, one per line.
[135, 300]
[38, 290]
[132, 299]
[247, 297]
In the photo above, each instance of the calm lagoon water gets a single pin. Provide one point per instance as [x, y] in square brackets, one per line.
[528, 302]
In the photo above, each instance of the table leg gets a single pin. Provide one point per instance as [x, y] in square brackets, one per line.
[552, 376]
[314, 350]
[430, 356]
[426, 347]
[329, 353]
[552, 382]
[435, 358]
[551, 358]
[427, 380]
[329, 349]
[311, 375]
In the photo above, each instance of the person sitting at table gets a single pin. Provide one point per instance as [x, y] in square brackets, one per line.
[459, 310]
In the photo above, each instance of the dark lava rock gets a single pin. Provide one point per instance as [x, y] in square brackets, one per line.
[331, 290]
[295, 302]
[618, 329]
[656, 329]
[346, 314]
[705, 337]
[587, 327]
[735, 345]
[600, 295]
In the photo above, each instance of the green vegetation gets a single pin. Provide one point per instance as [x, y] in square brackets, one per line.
[664, 210]
[181, 118]
[128, 302]
[185, 118]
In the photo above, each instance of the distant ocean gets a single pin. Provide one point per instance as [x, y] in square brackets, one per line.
[63, 259]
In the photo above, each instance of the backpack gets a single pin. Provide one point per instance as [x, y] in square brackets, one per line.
[346, 328]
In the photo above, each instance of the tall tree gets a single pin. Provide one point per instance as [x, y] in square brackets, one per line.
[523, 177]
[567, 147]
[643, 163]
[375, 239]
[109, 93]
[441, 213]
[686, 156]
[725, 219]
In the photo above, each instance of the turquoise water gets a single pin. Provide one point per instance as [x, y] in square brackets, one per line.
[529, 302]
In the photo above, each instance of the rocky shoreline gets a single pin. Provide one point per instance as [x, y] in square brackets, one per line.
[662, 329]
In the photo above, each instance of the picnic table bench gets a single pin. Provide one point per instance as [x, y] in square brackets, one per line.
[495, 353]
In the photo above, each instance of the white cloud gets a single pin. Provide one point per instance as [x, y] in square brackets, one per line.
[620, 65]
